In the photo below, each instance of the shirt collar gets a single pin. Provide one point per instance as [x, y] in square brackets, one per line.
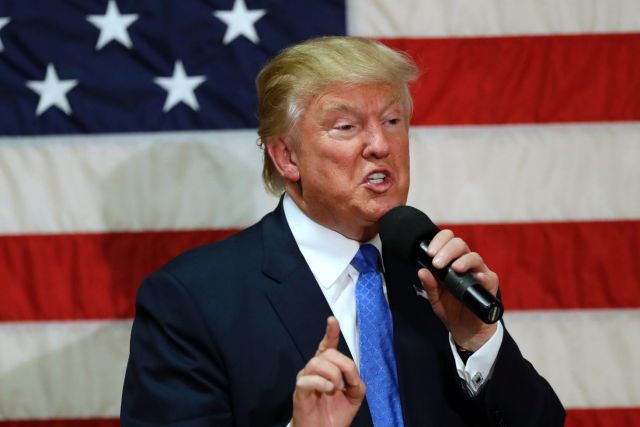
[327, 252]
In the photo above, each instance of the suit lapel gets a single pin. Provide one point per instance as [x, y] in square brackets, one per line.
[304, 311]
[297, 298]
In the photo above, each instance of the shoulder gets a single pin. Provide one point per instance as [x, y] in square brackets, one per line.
[202, 281]
[225, 263]
[238, 252]
[216, 254]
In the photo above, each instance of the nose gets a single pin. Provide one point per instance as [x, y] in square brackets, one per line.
[376, 143]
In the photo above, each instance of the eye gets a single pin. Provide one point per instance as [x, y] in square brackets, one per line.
[394, 121]
[343, 129]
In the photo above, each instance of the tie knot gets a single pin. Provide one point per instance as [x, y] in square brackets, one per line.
[366, 259]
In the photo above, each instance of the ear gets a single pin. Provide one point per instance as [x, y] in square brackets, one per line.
[283, 157]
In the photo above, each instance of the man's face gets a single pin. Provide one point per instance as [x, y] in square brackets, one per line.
[351, 151]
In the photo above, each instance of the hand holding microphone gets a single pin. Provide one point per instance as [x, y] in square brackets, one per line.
[460, 286]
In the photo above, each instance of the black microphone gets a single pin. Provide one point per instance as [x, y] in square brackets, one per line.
[406, 232]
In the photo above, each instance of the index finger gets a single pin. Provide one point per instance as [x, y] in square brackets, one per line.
[331, 336]
[438, 241]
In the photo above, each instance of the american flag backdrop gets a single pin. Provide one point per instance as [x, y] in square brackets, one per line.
[127, 135]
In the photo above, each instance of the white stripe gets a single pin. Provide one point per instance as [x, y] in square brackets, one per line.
[198, 180]
[589, 357]
[185, 180]
[526, 173]
[62, 369]
[438, 18]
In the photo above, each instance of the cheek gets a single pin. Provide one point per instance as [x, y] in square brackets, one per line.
[402, 163]
[341, 164]
[401, 154]
[329, 177]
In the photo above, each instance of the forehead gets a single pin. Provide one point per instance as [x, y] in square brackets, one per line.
[357, 98]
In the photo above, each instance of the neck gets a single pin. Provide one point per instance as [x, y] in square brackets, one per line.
[324, 217]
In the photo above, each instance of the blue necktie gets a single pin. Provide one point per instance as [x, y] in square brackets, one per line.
[375, 330]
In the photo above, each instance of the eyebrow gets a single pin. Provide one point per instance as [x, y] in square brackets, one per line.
[350, 108]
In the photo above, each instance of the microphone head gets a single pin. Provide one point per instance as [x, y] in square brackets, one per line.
[403, 228]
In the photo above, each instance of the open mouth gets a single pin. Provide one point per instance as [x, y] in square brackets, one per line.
[376, 178]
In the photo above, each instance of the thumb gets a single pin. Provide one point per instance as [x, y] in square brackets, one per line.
[356, 392]
[331, 336]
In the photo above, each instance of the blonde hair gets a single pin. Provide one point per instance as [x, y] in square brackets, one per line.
[301, 72]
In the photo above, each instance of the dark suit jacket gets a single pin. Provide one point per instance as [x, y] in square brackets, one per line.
[221, 332]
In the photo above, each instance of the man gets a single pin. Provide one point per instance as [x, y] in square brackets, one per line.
[290, 321]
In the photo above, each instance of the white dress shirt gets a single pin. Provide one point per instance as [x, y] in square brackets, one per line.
[329, 256]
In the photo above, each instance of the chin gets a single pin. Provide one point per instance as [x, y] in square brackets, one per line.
[380, 209]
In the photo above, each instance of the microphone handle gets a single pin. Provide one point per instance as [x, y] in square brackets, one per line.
[465, 288]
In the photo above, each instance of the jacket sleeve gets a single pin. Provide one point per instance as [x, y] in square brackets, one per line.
[516, 395]
[174, 375]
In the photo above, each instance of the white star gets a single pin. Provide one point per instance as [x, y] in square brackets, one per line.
[180, 88]
[3, 22]
[240, 22]
[113, 26]
[52, 91]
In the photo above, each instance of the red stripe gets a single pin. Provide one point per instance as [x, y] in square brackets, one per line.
[88, 422]
[541, 265]
[608, 417]
[533, 79]
[561, 265]
[84, 276]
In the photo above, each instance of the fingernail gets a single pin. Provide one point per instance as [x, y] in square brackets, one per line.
[438, 262]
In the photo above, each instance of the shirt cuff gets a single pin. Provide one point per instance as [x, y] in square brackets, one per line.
[479, 365]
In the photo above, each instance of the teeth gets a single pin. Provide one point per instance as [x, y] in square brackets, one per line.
[376, 178]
